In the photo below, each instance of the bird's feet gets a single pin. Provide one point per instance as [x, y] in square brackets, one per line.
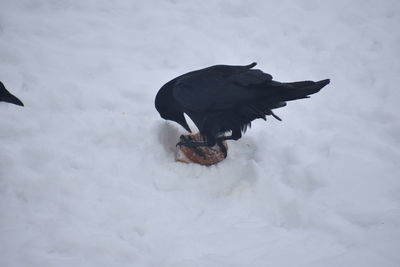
[188, 142]
[222, 148]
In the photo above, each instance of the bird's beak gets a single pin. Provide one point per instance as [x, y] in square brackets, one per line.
[185, 124]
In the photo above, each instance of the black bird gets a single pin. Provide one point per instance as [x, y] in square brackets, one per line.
[6, 96]
[222, 99]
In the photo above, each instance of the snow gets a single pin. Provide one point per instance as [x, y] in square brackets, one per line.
[87, 170]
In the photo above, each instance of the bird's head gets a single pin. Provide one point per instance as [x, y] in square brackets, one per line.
[168, 108]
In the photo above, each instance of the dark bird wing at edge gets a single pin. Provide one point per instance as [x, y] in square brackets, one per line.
[6, 96]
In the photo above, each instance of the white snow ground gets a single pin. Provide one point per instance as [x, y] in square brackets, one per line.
[87, 171]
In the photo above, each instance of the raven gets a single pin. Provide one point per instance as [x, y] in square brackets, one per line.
[6, 96]
[224, 99]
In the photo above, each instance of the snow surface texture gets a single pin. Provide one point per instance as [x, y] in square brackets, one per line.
[87, 171]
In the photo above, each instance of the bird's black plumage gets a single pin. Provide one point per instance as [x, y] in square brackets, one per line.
[6, 96]
[223, 98]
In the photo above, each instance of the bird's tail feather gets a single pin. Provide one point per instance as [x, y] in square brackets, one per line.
[298, 90]
[277, 97]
